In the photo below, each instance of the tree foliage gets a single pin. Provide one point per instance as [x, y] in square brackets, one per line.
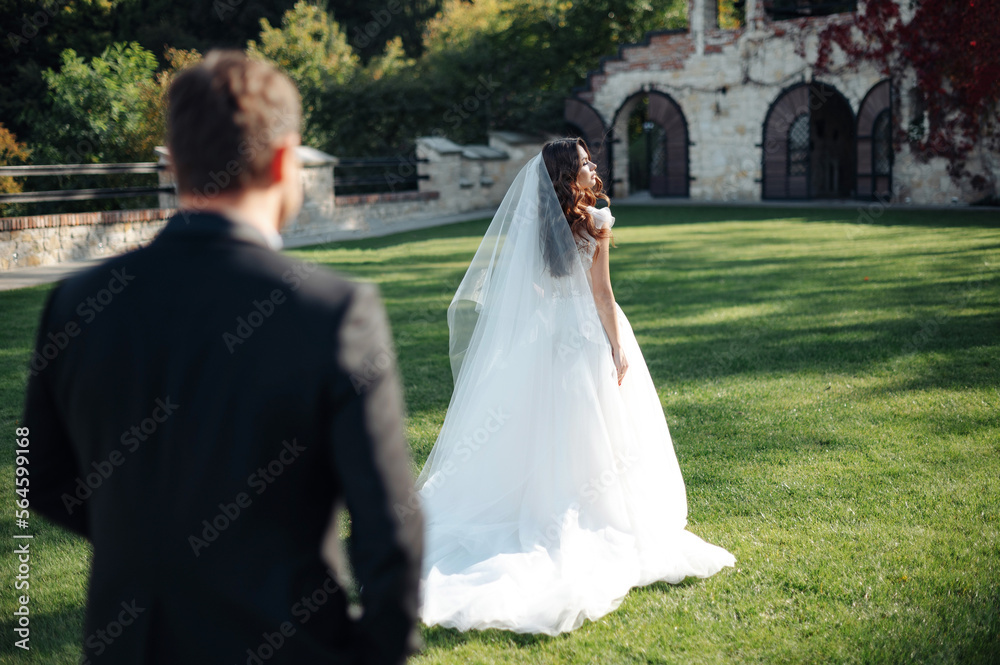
[497, 64]
[34, 35]
[366, 88]
[312, 49]
[12, 153]
[108, 104]
[109, 110]
[372, 25]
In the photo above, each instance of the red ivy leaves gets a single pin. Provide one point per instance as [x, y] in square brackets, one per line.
[952, 49]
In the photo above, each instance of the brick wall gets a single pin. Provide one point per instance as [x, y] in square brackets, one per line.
[49, 239]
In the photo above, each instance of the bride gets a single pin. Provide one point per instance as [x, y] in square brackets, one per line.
[553, 487]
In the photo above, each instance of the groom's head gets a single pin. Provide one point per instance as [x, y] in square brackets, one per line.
[232, 127]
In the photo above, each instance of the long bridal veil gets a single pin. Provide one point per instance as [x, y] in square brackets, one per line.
[526, 264]
[550, 490]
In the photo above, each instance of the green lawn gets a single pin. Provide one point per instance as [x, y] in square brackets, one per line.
[833, 392]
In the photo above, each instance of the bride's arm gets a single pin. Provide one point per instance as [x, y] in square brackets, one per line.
[604, 297]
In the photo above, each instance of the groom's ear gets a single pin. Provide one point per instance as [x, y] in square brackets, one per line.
[285, 158]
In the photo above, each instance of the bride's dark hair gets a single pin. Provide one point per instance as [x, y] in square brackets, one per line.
[562, 161]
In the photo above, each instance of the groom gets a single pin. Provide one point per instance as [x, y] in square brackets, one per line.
[202, 408]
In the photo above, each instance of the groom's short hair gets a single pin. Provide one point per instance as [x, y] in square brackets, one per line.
[225, 116]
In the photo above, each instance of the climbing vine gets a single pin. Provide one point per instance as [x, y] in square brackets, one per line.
[948, 51]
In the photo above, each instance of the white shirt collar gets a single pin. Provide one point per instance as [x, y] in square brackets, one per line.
[273, 238]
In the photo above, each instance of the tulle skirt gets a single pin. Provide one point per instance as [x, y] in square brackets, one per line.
[550, 494]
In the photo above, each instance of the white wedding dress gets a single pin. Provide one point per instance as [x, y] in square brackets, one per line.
[551, 490]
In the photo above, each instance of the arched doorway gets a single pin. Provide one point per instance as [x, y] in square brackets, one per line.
[809, 145]
[651, 131]
[875, 155]
[584, 121]
[647, 151]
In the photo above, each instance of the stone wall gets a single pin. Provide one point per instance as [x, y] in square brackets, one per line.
[318, 201]
[364, 215]
[473, 177]
[724, 82]
[49, 239]
[463, 179]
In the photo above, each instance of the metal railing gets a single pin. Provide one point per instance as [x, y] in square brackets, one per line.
[78, 170]
[356, 176]
[785, 9]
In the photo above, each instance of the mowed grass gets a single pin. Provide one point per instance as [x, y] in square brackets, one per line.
[832, 389]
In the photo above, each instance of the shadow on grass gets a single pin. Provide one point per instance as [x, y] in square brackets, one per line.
[653, 216]
[437, 637]
[666, 587]
[801, 329]
[472, 229]
[447, 638]
[864, 214]
[716, 352]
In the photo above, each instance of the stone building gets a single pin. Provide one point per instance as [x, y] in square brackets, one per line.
[717, 114]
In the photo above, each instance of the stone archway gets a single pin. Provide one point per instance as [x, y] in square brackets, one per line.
[809, 149]
[875, 154]
[662, 166]
[587, 123]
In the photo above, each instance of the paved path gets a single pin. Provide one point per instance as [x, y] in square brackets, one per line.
[19, 278]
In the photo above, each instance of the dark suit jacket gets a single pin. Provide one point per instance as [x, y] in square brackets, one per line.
[197, 409]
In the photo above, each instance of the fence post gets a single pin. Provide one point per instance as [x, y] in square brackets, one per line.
[443, 168]
[318, 194]
[166, 177]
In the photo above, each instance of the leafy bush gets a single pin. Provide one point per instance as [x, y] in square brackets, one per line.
[12, 153]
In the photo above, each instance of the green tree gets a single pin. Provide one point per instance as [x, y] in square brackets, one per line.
[492, 64]
[312, 49]
[484, 64]
[108, 110]
[533, 52]
[12, 153]
[102, 110]
[371, 25]
[33, 35]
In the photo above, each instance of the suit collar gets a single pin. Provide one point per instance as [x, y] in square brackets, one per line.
[204, 224]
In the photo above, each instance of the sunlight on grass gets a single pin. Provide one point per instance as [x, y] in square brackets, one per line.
[840, 435]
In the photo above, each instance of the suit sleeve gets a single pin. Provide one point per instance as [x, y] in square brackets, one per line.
[54, 469]
[372, 460]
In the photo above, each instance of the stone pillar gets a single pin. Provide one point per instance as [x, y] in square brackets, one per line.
[753, 12]
[166, 177]
[444, 168]
[318, 195]
[317, 184]
[703, 15]
[519, 148]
